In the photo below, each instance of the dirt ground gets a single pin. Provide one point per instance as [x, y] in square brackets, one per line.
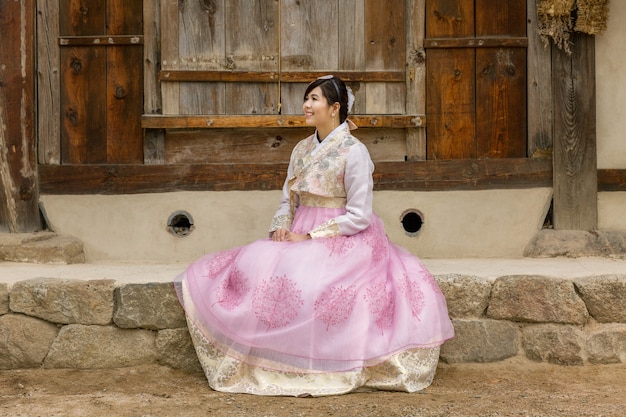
[511, 388]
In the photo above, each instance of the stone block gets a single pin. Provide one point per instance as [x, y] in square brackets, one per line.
[557, 344]
[99, 347]
[536, 299]
[65, 301]
[176, 350]
[607, 344]
[481, 341]
[41, 247]
[605, 297]
[577, 243]
[467, 296]
[4, 298]
[149, 306]
[24, 341]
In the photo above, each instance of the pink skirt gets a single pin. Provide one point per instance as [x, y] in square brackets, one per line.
[318, 306]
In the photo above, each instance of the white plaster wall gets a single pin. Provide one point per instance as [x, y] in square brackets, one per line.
[612, 211]
[492, 224]
[611, 112]
[611, 90]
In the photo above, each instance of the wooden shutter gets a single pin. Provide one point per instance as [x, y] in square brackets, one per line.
[230, 68]
[101, 81]
[476, 78]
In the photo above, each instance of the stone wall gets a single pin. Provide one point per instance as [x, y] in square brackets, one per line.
[56, 323]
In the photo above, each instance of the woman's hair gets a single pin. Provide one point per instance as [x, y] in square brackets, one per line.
[335, 91]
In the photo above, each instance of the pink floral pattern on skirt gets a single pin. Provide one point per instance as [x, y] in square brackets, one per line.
[321, 305]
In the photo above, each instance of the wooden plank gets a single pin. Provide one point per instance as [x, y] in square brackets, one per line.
[272, 77]
[202, 46]
[170, 54]
[541, 112]
[450, 18]
[82, 17]
[406, 176]
[154, 140]
[309, 42]
[124, 17]
[267, 145]
[501, 103]
[19, 193]
[501, 18]
[48, 81]
[351, 66]
[351, 34]
[124, 83]
[415, 76]
[575, 158]
[83, 123]
[478, 42]
[287, 121]
[252, 45]
[124, 99]
[385, 32]
[450, 101]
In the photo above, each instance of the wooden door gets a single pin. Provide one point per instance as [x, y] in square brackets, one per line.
[476, 79]
[101, 81]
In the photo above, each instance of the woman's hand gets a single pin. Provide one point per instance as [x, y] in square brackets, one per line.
[284, 235]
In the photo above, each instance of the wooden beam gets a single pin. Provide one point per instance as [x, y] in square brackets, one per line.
[100, 40]
[152, 121]
[476, 43]
[406, 176]
[575, 160]
[19, 195]
[273, 77]
[612, 180]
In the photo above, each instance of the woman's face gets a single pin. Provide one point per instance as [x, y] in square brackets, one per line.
[317, 111]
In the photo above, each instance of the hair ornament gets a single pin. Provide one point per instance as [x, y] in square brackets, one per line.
[350, 98]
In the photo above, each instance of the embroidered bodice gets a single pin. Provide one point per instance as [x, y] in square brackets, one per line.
[335, 173]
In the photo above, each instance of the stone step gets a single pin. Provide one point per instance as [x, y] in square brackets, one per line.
[101, 320]
[41, 247]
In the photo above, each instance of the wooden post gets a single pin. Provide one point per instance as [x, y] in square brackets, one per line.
[19, 195]
[575, 160]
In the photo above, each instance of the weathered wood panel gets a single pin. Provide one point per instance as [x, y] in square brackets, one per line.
[406, 176]
[153, 140]
[450, 104]
[201, 44]
[385, 35]
[48, 81]
[501, 102]
[170, 54]
[266, 145]
[540, 97]
[19, 194]
[251, 44]
[575, 158]
[415, 77]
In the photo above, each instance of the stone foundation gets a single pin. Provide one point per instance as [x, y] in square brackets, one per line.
[90, 324]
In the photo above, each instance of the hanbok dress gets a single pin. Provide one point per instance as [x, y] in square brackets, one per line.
[345, 310]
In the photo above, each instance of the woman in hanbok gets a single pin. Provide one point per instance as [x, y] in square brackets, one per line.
[326, 304]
